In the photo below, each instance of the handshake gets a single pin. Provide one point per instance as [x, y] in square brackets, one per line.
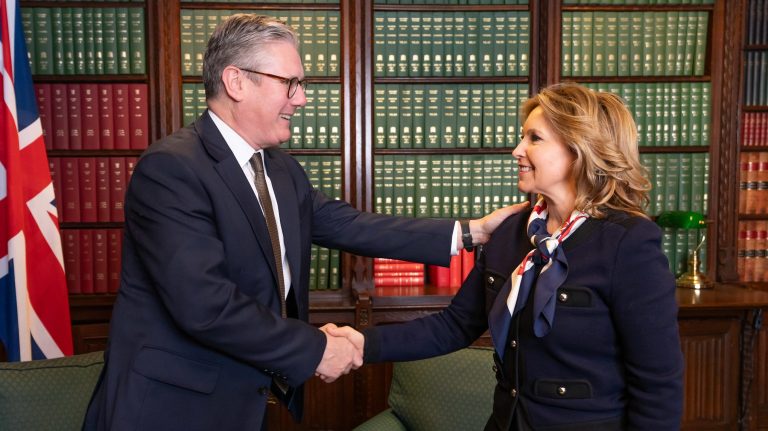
[343, 352]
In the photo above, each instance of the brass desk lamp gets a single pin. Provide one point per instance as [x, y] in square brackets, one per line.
[692, 278]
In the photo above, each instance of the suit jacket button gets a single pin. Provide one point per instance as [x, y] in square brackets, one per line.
[562, 297]
[263, 391]
[491, 279]
[513, 392]
[513, 344]
[561, 390]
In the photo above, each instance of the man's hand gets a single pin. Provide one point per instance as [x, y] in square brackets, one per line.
[481, 229]
[340, 355]
[356, 338]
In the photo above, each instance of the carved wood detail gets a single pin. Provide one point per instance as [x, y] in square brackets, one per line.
[724, 178]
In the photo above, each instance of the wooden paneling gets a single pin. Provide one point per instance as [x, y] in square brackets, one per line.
[711, 351]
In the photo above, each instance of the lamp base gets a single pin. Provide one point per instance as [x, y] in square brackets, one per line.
[693, 278]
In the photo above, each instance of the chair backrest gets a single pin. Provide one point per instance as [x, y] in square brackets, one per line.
[50, 394]
[450, 392]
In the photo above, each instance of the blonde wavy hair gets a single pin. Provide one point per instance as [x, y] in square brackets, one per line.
[600, 131]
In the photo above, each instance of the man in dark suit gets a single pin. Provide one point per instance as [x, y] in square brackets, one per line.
[213, 304]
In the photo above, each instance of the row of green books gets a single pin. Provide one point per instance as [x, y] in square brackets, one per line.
[315, 126]
[474, 185]
[454, 2]
[324, 172]
[447, 115]
[634, 43]
[679, 181]
[458, 185]
[471, 185]
[318, 31]
[324, 269]
[677, 245]
[667, 113]
[451, 43]
[487, 115]
[85, 41]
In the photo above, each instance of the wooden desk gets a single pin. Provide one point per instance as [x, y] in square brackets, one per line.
[722, 347]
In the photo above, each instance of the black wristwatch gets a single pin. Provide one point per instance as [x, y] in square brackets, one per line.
[466, 236]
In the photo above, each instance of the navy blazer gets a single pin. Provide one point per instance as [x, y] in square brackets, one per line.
[619, 339]
[196, 335]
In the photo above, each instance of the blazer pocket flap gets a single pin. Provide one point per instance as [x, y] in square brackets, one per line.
[176, 370]
[564, 389]
[574, 296]
[494, 280]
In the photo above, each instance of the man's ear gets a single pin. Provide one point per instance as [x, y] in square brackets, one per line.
[234, 83]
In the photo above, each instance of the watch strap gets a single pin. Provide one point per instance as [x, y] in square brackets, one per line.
[466, 235]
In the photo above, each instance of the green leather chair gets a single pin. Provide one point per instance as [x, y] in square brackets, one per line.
[50, 394]
[451, 392]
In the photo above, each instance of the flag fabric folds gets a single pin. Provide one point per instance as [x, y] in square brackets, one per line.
[34, 309]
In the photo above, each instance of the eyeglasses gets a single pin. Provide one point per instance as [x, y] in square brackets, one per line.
[293, 83]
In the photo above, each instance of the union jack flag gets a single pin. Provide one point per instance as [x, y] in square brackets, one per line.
[34, 310]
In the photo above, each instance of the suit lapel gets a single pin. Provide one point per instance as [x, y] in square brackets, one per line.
[232, 175]
[288, 205]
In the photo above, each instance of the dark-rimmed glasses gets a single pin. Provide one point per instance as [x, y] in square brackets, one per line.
[293, 83]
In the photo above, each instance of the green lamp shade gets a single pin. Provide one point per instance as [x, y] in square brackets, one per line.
[682, 220]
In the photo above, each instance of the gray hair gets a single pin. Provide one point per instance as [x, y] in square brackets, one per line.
[238, 41]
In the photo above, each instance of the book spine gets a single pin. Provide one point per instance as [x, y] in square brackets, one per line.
[100, 261]
[87, 182]
[86, 261]
[106, 117]
[137, 41]
[45, 106]
[114, 255]
[71, 251]
[138, 116]
[70, 187]
[89, 108]
[60, 117]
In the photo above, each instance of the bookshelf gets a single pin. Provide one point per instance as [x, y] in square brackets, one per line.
[376, 106]
[752, 212]
[656, 58]
[753, 148]
[92, 76]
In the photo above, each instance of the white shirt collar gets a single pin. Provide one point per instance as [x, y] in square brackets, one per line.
[242, 151]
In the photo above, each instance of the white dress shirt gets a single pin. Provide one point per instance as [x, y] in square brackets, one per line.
[243, 153]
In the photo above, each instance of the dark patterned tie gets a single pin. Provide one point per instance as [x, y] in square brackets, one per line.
[266, 204]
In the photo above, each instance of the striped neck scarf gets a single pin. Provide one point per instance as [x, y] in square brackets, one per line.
[553, 273]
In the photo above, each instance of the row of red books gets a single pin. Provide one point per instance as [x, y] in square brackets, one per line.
[92, 260]
[754, 129]
[455, 274]
[91, 189]
[391, 272]
[94, 116]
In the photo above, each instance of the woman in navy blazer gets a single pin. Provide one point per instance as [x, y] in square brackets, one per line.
[576, 292]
